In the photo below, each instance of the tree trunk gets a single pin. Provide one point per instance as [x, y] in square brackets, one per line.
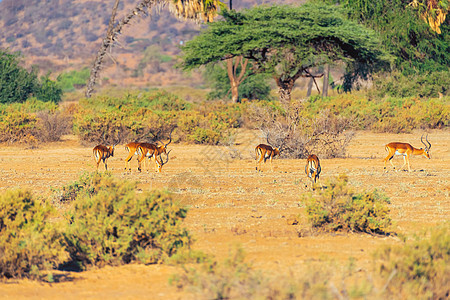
[284, 93]
[234, 92]
[106, 43]
[310, 85]
[284, 89]
[326, 81]
[236, 80]
[112, 34]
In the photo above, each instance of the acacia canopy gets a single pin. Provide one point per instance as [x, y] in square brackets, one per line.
[287, 41]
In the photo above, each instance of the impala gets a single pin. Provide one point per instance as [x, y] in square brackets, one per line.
[406, 150]
[146, 150]
[102, 153]
[153, 151]
[131, 148]
[264, 152]
[313, 168]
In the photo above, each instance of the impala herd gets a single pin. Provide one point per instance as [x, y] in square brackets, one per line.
[263, 153]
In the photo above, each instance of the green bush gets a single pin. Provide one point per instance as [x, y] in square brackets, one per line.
[69, 81]
[254, 86]
[49, 90]
[338, 207]
[30, 240]
[17, 84]
[424, 85]
[69, 193]
[112, 225]
[230, 279]
[419, 267]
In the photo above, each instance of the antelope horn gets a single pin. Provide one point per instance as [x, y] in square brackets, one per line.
[267, 138]
[429, 144]
[421, 139]
[167, 159]
[170, 137]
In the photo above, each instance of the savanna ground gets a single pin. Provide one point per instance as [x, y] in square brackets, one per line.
[232, 204]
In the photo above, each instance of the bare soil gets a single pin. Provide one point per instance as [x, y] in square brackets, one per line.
[230, 203]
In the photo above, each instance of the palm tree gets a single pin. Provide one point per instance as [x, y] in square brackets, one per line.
[432, 12]
[198, 10]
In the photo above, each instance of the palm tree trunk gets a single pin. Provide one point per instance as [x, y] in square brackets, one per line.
[106, 43]
[111, 36]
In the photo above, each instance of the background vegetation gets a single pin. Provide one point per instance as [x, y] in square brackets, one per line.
[17, 84]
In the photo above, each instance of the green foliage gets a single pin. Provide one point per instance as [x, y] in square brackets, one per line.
[30, 240]
[17, 84]
[383, 115]
[416, 47]
[420, 267]
[254, 87]
[68, 81]
[420, 85]
[338, 207]
[113, 225]
[70, 192]
[49, 91]
[297, 38]
[151, 116]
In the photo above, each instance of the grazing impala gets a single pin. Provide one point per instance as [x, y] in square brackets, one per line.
[406, 150]
[264, 152]
[146, 150]
[312, 169]
[153, 151]
[102, 153]
[131, 148]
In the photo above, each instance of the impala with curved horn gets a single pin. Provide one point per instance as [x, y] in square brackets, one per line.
[160, 163]
[406, 150]
[153, 151]
[313, 169]
[102, 153]
[145, 150]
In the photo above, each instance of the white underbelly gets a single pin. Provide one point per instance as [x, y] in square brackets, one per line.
[400, 153]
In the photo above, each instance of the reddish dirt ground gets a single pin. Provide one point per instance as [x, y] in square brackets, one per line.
[230, 203]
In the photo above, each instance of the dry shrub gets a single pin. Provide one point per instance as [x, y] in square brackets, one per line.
[52, 125]
[325, 134]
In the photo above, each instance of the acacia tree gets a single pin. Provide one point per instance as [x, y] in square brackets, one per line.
[197, 10]
[286, 42]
